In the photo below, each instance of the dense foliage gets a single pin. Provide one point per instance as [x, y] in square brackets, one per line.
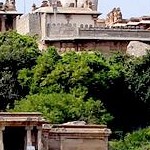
[16, 52]
[71, 74]
[77, 86]
[111, 81]
[138, 140]
[61, 107]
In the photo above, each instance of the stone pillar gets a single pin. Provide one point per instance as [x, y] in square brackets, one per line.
[39, 138]
[1, 138]
[29, 136]
[3, 28]
[14, 23]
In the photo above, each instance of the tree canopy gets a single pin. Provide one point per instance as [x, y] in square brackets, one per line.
[62, 107]
[85, 86]
[16, 52]
[110, 80]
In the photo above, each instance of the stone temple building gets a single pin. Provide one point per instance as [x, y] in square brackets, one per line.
[30, 131]
[8, 15]
[59, 19]
[73, 25]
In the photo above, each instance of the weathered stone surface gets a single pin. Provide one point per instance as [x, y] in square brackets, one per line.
[75, 123]
[76, 137]
[137, 48]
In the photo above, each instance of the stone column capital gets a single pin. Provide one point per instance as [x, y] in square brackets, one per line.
[29, 127]
[1, 137]
[39, 127]
[2, 128]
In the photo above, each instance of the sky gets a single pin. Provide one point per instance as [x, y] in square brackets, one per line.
[129, 8]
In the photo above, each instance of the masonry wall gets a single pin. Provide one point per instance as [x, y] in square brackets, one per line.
[29, 24]
[22, 24]
[63, 30]
[35, 24]
[104, 46]
[76, 138]
[114, 33]
[72, 19]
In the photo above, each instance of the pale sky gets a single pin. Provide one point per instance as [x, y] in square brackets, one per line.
[129, 8]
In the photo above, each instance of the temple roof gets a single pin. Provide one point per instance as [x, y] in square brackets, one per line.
[67, 10]
[10, 13]
[21, 118]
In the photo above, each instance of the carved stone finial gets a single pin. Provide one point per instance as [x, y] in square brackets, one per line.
[34, 7]
[10, 5]
[44, 3]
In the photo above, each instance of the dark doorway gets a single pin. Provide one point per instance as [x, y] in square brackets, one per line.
[14, 138]
[9, 22]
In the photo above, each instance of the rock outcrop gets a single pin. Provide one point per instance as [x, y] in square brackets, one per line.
[137, 48]
[75, 123]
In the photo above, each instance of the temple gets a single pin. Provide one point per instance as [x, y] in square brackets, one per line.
[8, 15]
[30, 131]
[75, 25]
[115, 20]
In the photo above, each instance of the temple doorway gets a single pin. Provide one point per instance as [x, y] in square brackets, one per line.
[14, 138]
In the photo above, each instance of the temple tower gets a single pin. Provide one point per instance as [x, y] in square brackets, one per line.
[95, 4]
[81, 3]
[10, 5]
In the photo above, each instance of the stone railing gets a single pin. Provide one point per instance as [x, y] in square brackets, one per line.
[114, 33]
[68, 31]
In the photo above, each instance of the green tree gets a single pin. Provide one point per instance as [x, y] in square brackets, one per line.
[137, 140]
[80, 74]
[138, 77]
[77, 74]
[16, 52]
[93, 76]
[62, 107]
[45, 64]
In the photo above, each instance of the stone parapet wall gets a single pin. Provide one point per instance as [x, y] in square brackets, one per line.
[75, 137]
[123, 33]
[68, 30]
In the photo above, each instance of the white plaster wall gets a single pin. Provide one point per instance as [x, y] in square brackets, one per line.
[28, 24]
[75, 19]
[22, 24]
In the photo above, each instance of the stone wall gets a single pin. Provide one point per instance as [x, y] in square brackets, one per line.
[75, 137]
[22, 24]
[73, 19]
[114, 33]
[63, 30]
[28, 24]
[104, 46]
[35, 25]
[60, 31]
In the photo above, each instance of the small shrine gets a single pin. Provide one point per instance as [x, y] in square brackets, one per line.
[30, 131]
[21, 131]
